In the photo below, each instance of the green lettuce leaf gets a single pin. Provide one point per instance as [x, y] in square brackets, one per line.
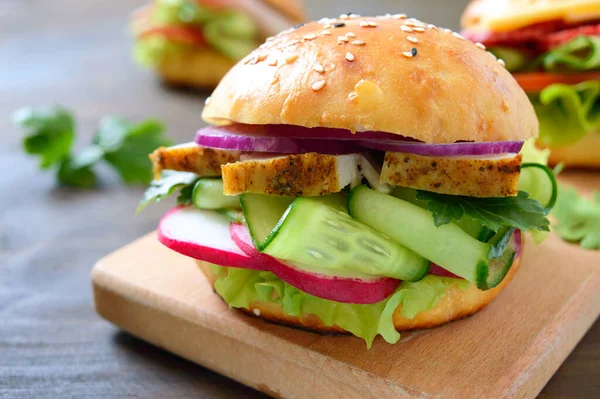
[567, 113]
[232, 33]
[580, 54]
[240, 287]
[578, 218]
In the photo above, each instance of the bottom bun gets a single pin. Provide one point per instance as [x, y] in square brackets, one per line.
[455, 304]
[198, 67]
[583, 154]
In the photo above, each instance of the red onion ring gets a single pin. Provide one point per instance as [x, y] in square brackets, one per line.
[453, 149]
[289, 139]
[224, 139]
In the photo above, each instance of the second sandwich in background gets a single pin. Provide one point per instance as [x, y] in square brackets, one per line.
[553, 49]
[195, 42]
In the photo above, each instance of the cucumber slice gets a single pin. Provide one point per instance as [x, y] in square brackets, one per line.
[475, 229]
[471, 226]
[262, 214]
[208, 194]
[539, 181]
[234, 215]
[316, 233]
[447, 245]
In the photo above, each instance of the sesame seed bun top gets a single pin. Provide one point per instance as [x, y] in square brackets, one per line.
[388, 74]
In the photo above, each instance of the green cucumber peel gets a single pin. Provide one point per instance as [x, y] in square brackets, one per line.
[483, 264]
[263, 213]
[208, 194]
[551, 179]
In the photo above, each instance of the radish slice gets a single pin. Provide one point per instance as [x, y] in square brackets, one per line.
[339, 289]
[203, 235]
[437, 270]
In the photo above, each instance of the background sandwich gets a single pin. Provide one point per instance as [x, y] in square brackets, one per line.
[195, 42]
[367, 179]
[553, 49]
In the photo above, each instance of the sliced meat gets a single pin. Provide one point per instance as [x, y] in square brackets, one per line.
[469, 176]
[542, 36]
[553, 40]
[306, 175]
[191, 157]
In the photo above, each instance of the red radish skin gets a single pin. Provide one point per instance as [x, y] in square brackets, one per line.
[437, 270]
[203, 235]
[339, 289]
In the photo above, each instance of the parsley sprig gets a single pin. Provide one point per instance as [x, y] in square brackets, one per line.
[50, 135]
[578, 218]
[520, 211]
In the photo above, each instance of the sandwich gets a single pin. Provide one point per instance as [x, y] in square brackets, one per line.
[358, 175]
[553, 49]
[194, 43]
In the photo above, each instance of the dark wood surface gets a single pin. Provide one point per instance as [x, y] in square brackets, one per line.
[52, 344]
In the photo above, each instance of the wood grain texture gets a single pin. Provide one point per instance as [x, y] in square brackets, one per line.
[510, 349]
[52, 343]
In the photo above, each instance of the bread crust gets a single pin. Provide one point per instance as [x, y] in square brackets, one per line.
[290, 8]
[490, 15]
[188, 68]
[450, 91]
[455, 304]
[583, 154]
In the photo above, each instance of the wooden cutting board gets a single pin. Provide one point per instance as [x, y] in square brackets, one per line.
[510, 349]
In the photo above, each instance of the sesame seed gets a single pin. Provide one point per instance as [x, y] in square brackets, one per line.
[342, 39]
[458, 35]
[339, 24]
[270, 38]
[399, 16]
[293, 42]
[413, 51]
[501, 62]
[419, 29]
[247, 60]
[318, 85]
[350, 34]
[406, 28]
[291, 58]
[364, 24]
[358, 43]
[319, 68]
[432, 26]
[330, 66]
[407, 54]
[480, 45]
[256, 311]
[272, 61]
[412, 39]
[344, 16]
[372, 24]
[310, 37]
[352, 16]
[350, 57]
[326, 33]
[207, 100]
[447, 30]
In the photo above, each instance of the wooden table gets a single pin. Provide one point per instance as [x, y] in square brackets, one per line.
[52, 344]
